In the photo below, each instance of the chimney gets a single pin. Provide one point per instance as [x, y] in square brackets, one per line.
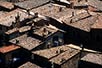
[72, 5]
[60, 9]
[71, 21]
[72, 14]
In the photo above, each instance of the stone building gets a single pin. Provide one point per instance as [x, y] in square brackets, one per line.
[96, 34]
[12, 56]
[40, 38]
[12, 19]
[10, 23]
[79, 26]
[88, 61]
[57, 57]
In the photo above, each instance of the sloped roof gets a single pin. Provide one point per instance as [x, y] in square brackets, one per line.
[26, 42]
[7, 18]
[29, 65]
[93, 58]
[7, 5]
[98, 24]
[8, 48]
[29, 4]
[52, 11]
[82, 21]
[81, 3]
[96, 4]
[56, 54]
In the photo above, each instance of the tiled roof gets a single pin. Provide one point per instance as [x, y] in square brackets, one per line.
[82, 21]
[8, 18]
[46, 30]
[7, 5]
[26, 42]
[52, 11]
[8, 48]
[98, 24]
[29, 4]
[29, 65]
[64, 56]
[81, 3]
[93, 58]
[56, 54]
[96, 4]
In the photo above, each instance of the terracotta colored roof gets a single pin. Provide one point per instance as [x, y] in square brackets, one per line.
[7, 5]
[9, 48]
[98, 24]
[52, 11]
[96, 4]
[29, 65]
[56, 54]
[31, 3]
[48, 31]
[81, 3]
[8, 18]
[82, 21]
[66, 56]
[93, 58]
[49, 53]
[2, 13]
[26, 42]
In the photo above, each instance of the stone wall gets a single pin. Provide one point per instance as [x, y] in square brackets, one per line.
[72, 63]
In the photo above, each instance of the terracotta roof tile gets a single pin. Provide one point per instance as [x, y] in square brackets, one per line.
[8, 18]
[56, 54]
[31, 3]
[93, 58]
[29, 65]
[7, 5]
[82, 21]
[26, 42]
[98, 24]
[9, 48]
[96, 4]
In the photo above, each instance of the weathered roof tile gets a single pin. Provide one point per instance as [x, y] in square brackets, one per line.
[7, 5]
[29, 4]
[8, 48]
